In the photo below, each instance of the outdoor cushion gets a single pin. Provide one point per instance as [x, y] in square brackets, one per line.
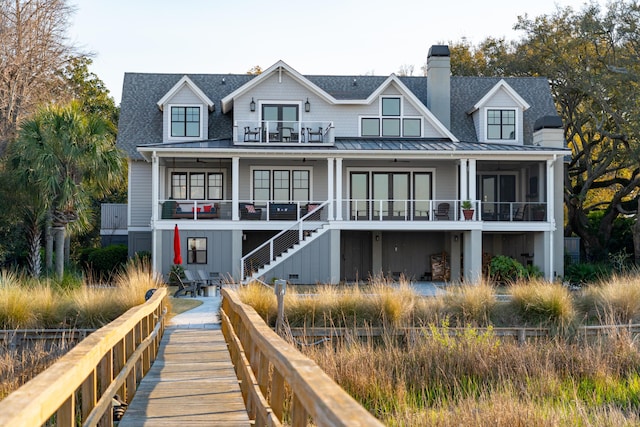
[250, 208]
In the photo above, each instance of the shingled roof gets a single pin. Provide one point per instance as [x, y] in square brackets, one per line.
[141, 120]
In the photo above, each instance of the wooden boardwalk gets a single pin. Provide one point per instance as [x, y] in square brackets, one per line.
[191, 383]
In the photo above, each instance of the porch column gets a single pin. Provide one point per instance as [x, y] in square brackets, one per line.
[235, 188]
[472, 181]
[155, 194]
[472, 256]
[550, 181]
[464, 179]
[551, 216]
[338, 195]
[330, 180]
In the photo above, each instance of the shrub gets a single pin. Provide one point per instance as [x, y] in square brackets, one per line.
[506, 269]
[105, 261]
[585, 273]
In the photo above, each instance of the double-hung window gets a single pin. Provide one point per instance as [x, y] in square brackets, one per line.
[185, 122]
[281, 185]
[501, 124]
[197, 185]
[391, 122]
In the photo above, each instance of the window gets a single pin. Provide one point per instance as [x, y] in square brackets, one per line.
[370, 127]
[281, 185]
[391, 106]
[215, 186]
[185, 121]
[261, 185]
[197, 185]
[501, 124]
[179, 185]
[392, 123]
[197, 250]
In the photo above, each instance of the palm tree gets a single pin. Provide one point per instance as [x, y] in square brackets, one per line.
[67, 156]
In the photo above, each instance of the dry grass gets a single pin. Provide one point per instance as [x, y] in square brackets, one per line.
[27, 303]
[474, 378]
[616, 300]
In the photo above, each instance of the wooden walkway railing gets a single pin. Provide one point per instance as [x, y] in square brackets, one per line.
[80, 386]
[265, 364]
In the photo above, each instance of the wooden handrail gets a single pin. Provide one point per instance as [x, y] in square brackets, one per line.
[255, 349]
[83, 382]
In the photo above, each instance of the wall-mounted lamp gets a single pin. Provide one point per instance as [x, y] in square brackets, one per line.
[455, 238]
[307, 106]
[377, 237]
[395, 248]
[244, 237]
[252, 105]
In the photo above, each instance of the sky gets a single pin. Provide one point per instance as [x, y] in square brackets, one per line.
[343, 37]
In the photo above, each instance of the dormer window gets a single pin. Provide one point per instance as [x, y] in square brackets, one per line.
[501, 124]
[185, 122]
[391, 122]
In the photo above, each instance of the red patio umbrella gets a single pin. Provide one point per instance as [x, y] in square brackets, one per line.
[177, 257]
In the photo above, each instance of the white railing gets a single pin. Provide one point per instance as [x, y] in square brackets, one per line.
[283, 131]
[405, 210]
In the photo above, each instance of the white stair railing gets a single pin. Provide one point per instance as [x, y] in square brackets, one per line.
[266, 253]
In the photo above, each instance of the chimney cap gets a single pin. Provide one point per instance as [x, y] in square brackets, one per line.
[438, 50]
[548, 122]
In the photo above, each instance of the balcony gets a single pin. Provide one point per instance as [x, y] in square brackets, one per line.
[283, 132]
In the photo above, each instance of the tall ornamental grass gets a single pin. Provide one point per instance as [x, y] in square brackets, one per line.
[27, 303]
[477, 379]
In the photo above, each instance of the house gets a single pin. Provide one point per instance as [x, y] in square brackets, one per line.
[336, 178]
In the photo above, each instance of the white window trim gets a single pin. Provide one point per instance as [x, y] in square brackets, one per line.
[380, 117]
[485, 125]
[279, 168]
[188, 171]
[203, 123]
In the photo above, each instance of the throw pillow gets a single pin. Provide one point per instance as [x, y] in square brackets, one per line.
[250, 208]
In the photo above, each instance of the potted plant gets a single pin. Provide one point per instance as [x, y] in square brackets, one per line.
[467, 210]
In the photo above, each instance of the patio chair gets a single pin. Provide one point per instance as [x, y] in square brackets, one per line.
[442, 212]
[184, 286]
[210, 281]
[251, 135]
[314, 136]
[197, 281]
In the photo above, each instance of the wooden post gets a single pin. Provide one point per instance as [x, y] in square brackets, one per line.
[280, 289]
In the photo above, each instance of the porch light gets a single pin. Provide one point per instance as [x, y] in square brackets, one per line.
[307, 106]
[252, 105]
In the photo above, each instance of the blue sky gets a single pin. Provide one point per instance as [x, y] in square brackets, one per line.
[321, 37]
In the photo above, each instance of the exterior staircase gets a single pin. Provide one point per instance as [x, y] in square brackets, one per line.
[285, 244]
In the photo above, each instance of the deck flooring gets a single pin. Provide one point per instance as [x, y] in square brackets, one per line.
[191, 383]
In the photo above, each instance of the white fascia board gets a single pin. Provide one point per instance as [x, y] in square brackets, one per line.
[185, 80]
[227, 101]
[510, 91]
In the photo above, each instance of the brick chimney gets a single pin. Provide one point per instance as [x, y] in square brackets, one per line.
[439, 83]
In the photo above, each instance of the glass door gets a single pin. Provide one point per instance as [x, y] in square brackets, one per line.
[359, 194]
[280, 121]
